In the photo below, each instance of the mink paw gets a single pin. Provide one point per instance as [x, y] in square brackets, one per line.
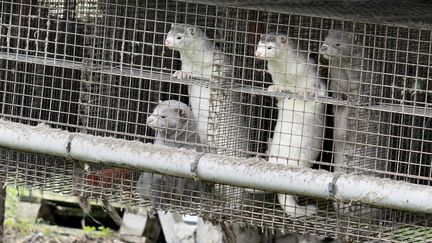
[182, 75]
[274, 88]
[306, 93]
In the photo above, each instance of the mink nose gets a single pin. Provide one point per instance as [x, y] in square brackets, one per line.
[168, 43]
[150, 120]
[258, 54]
[324, 47]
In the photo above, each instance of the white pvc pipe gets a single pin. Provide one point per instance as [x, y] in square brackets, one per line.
[385, 192]
[39, 139]
[56, 142]
[253, 173]
[259, 174]
[133, 154]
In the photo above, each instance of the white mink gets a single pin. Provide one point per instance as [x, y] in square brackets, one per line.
[298, 134]
[200, 59]
[344, 54]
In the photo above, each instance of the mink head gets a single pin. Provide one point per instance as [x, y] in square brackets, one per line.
[271, 45]
[182, 36]
[339, 44]
[170, 116]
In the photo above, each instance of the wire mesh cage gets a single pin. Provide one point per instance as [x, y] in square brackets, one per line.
[341, 93]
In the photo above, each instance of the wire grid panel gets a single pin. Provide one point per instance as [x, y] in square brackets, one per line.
[101, 68]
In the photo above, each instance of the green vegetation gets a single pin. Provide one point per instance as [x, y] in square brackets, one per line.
[11, 221]
[17, 229]
[99, 232]
[413, 234]
[11, 202]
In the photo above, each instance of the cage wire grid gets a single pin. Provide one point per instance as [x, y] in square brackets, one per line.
[101, 68]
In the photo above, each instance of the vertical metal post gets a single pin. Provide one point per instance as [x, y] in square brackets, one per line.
[2, 209]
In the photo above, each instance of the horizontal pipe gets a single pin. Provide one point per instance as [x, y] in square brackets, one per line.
[252, 172]
[259, 174]
[133, 154]
[45, 140]
[385, 193]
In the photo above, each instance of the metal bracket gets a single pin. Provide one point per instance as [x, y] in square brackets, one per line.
[194, 165]
[332, 189]
[69, 146]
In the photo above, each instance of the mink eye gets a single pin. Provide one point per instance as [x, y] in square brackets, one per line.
[179, 37]
[269, 47]
[337, 44]
[163, 117]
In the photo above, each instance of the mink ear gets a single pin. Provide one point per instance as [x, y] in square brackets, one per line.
[282, 40]
[191, 30]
